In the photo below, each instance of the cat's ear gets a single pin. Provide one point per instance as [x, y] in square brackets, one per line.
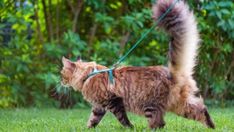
[79, 58]
[68, 64]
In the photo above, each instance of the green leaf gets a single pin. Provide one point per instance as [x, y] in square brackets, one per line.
[225, 11]
[225, 4]
[218, 14]
[3, 78]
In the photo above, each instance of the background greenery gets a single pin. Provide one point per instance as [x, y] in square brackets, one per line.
[35, 34]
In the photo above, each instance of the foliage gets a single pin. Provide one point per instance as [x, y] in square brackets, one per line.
[76, 119]
[217, 53]
[35, 34]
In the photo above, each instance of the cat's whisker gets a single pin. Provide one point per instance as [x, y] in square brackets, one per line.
[54, 89]
[69, 94]
[60, 89]
[67, 98]
[53, 94]
[57, 67]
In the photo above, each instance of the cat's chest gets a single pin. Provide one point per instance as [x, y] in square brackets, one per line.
[95, 95]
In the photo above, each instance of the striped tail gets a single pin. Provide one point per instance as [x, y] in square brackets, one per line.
[180, 24]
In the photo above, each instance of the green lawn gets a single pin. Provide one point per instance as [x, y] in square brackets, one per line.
[75, 120]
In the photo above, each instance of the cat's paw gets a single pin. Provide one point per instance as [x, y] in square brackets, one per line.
[129, 125]
[90, 125]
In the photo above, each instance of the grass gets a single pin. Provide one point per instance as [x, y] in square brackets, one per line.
[41, 120]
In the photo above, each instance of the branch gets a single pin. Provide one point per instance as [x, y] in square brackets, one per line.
[92, 33]
[57, 19]
[50, 20]
[41, 39]
[71, 6]
[77, 12]
[47, 20]
[123, 42]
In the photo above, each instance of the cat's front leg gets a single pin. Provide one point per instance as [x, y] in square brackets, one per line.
[96, 116]
[154, 114]
[115, 105]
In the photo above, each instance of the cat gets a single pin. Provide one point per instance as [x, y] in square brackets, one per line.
[148, 91]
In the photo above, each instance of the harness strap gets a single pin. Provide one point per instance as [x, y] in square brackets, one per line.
[109, 71]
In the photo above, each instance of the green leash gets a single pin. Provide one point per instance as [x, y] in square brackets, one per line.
[121, 59]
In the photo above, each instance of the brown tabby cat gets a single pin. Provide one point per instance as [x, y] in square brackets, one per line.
[147, 91]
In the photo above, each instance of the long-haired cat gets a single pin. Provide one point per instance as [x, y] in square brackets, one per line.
[148, 91]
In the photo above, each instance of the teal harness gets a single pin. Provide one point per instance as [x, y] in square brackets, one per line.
[110, 70]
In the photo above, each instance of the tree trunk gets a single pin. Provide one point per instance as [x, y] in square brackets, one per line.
[77, 12]
[50, 19]
[39, 33]
[123, 42]
[57, 19]
[47, 20]
[92, 33]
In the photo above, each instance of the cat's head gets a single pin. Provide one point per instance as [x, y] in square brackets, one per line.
[73, 73]
[197, 110]
[196, 107]
[67, 72]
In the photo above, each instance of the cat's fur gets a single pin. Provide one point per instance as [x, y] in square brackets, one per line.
[147, 91]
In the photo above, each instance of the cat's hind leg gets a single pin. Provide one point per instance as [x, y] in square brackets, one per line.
[116, 106]
[96, 116]
[154, 113]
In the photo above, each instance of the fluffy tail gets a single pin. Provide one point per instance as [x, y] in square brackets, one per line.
[182, 27]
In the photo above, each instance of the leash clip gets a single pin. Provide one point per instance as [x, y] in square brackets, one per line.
[111, 77]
